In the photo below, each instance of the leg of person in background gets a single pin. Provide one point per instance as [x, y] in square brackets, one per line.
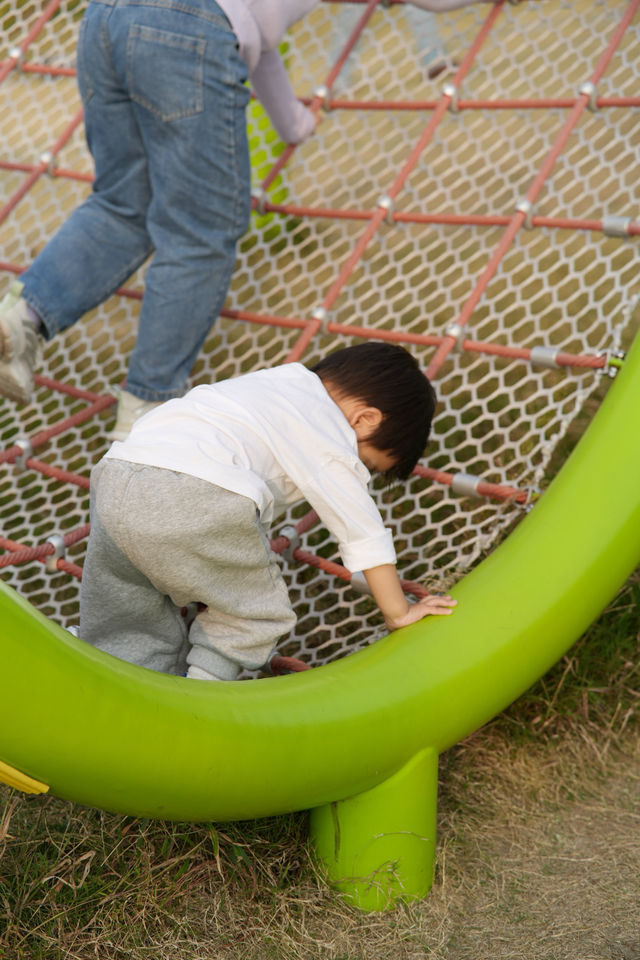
[172, 178]
[104, 241]
[422, 27]
[200, 191]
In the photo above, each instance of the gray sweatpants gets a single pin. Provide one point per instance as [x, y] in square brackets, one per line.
[161, 540]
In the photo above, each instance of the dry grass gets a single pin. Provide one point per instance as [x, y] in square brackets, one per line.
[548, 841]
[539, 845]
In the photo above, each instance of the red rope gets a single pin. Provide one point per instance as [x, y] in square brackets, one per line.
[309, 328]
[19, 554]
[39, 439]
[531, 196]
[420, 106]
[446, 219]
[9, 65]
[40, 168]
[57, 473]
[281, 665]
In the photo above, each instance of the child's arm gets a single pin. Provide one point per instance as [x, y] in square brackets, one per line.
[384, 584]
[293, 121]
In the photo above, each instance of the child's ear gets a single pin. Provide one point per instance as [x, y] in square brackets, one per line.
[365, 421]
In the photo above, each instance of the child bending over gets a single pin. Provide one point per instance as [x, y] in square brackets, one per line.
[179, 509]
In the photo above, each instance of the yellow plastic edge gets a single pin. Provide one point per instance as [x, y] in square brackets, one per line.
[20, 781]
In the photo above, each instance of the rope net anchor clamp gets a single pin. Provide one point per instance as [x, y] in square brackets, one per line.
[260, 199]
[26, 448]
[525, 206]
[323, 94]
[359, 583]
[616, 226]
[450, 90]
[385, 202]
[590, 90]
[544, 357]
[614, 360]
[59, 552]
[456, 331]
[293, 537]
[533, 495]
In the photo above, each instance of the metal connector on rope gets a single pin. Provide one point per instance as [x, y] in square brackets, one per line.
[260, 197]
[465, 485]
[450, 90]
[59, 552]
[323, 94]
[25, 445]
[525, 206]
[17, 55]
[590, 90]
[321, 314]
[47, 160]
[385, 202]
[456, 332]
[359, 583]
[616, 226]
[544, 357]
[293, 537]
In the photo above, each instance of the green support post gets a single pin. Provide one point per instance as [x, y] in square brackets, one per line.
[378, 847]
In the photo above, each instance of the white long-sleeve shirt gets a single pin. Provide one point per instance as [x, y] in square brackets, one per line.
[276, 437]
[259, 26]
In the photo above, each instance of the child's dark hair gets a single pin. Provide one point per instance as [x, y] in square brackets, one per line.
[386, 376]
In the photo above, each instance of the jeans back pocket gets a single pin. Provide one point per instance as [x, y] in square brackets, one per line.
[165, 71]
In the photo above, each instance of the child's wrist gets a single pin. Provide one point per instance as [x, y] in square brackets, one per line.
[397, 618]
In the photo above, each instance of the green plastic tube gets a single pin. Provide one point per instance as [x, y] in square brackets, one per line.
[356, 740]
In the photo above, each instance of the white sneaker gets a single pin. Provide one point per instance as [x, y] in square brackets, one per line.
[129, 410]
[19, 346]
[197, 673]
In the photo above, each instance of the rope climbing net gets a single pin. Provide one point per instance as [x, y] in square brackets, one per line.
[471, 191]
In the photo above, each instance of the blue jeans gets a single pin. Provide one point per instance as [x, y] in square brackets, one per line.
[164, 97]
